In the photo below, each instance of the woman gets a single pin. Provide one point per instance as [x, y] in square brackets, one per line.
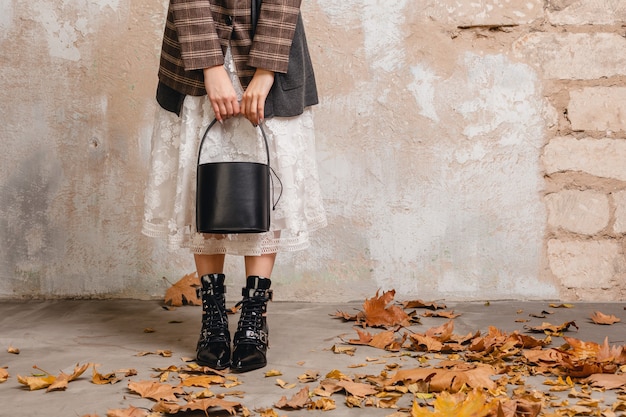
[234, 60]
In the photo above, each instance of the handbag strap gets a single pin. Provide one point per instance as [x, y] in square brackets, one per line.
[267, 153]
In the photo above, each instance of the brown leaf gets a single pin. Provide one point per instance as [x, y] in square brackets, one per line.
[100, 379]
[548, 328]
[474, 404]
[201, 380]
[601, 318]
[13, 350]
[155, 390]
[451, 380]
[444, 314]
[184, 291]
[205, 403]
[423, 304]
[381, 340]
[298, 401]
[36, 382]
[606, 381]
[378, 313]
[127, 412]
[4, 375]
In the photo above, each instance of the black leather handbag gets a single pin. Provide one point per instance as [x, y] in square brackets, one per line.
[233, 197]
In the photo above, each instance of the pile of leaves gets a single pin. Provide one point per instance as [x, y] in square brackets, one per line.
[434, 372]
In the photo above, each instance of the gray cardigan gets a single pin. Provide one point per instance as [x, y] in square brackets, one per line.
[291, 92]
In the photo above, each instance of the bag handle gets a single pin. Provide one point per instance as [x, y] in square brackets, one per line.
[267, 153]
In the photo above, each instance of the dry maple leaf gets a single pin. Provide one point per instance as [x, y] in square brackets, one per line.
[4, 375]
[474, 404]
[128, 412]
[100, 379]
[548, 328]
[601, 318]
[205, 403]
[298, 401]
[155, 390]
[606, 381]
[423, 304]
[203, 381]
[381, 340]
[184, 291]
[378, 312]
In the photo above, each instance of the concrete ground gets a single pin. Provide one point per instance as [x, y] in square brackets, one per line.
[57, 335]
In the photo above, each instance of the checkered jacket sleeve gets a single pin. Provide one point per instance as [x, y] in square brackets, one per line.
[274, 34]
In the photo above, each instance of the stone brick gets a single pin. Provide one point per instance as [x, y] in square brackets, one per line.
[598, 108]
[583, 212]
[567, 55]
[619, 198]
[483, 13]
[600, 157]
[585, 264]
[586, 12]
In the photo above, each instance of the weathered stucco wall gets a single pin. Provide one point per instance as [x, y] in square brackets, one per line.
[467, 150]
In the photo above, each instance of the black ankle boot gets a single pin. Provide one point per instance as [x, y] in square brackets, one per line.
[214, 345]
[251, 337]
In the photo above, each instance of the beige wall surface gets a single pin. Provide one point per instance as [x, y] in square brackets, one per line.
[467, 150]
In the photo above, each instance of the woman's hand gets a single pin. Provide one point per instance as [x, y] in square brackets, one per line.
[221, 93]
[253, 103]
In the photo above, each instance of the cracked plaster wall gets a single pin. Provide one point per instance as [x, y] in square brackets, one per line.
[431, 133]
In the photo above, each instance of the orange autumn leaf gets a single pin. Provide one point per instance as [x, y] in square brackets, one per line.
[474, 404]
[155, 390]
[451, 380]
[205, 403]
[184, 291]
[128, 412]
[4, 375]
[601, 318]
[378, 312]
[548, 328]
[36, 382]
[298, 401]
[423, 304]
[606, 381]
[201, 380]
[380, 340]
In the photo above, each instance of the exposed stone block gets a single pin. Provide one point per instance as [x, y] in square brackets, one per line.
[586, 12]
[483, 13]
[598, 108]
[567, 55]
[585, 264]
[583, 212]
[600, 157]
[619, 198]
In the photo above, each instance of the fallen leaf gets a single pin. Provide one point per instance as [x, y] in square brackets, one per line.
[4, 375]
[444, 314]
[297, 402]
[423, 304]
[601, 318]
[474, 404]
[272, 372]
[184, 291]
[548, 328]
[606, 381]
[309, 376]
[203, 381]
[378, 312]
[13, 350]
[127, 412]
[565, 305]
[100, 379]
[155, 390]
[205, 403]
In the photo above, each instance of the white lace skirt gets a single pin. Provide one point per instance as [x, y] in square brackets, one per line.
[169, 210]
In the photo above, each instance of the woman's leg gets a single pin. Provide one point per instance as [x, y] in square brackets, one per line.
[260, 266]
[209, 264]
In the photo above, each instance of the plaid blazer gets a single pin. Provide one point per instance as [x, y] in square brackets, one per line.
[197, 33]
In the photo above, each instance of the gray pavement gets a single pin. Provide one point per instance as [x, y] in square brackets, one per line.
[57, 335]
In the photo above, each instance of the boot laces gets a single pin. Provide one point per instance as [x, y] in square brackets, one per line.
[214, 318]
[252, 313]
